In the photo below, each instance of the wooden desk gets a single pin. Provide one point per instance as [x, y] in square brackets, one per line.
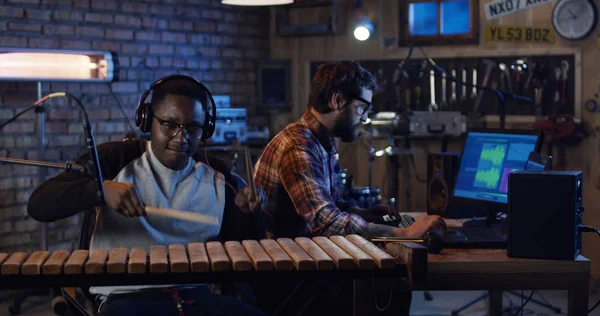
[493, 270]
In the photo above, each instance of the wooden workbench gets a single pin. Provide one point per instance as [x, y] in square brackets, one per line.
[492, 270]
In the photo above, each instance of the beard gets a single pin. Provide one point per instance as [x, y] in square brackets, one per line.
[344, 128]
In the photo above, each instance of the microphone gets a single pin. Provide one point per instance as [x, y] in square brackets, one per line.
[431, 240]
[94, 161]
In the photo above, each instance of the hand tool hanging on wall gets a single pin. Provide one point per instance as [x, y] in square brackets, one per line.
[444, 103]
[557, 73]
[532, 68]
[402, 106]
[474, 89]
[453, 100]
[505, 78]
[414, 75]
[565, 72]
[382, 80]
[539, 72]
[538, 102]
[490, 65]
[407, 96]
[419, 82]
[519, 67]
[432, 105]
[494, 85]
[463, 96]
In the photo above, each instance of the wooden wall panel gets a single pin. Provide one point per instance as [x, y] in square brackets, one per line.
[585, 157]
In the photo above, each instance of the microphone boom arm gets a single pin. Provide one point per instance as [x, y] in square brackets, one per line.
[93, 160]
[67, 166]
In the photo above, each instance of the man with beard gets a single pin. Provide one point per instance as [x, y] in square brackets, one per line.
[296, 167]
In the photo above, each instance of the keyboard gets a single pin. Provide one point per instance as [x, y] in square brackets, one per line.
[474, 237]
[462, 237]
[403, 222]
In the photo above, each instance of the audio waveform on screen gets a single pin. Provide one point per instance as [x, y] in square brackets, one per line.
[487, 178]
[494, 154]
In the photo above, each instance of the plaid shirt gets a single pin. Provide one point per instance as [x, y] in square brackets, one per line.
[296, 171]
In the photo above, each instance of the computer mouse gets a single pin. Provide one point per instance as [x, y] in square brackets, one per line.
[433, 241]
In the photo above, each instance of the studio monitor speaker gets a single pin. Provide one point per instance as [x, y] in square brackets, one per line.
[442, 169]
[545, 209]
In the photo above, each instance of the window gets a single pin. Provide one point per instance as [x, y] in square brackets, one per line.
[431, 22]
[455, 17]
[423, 18]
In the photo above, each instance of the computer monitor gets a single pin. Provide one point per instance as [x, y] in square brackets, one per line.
[538, 162]
[488, 157]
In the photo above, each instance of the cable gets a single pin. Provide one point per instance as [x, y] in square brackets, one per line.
[407, 145]
[594, 307]
[542, 297]
[135, 130]
[410, 51]
[521, 308]
[12, 119]
[588, 229]
[381, 309]
[512, 307]
[523, 304]
[414, 165]
[217, 173]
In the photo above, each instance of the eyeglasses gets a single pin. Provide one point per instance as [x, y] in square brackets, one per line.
[362, 109]
[171, 129]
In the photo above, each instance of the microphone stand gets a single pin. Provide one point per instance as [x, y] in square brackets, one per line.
[41, 114]
[67, 166]
[370, 161]
[93, 163]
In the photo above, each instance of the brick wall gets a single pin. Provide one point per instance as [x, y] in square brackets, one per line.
[215, 43]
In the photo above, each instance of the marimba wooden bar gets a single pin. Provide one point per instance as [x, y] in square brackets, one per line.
[347, 257]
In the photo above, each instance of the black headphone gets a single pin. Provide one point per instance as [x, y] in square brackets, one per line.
[143, 113]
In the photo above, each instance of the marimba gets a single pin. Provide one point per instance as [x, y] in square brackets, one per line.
[351, 256]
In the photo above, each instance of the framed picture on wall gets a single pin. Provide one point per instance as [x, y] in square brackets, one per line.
[274, 85]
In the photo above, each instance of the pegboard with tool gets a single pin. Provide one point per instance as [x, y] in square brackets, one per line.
[547, 80]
